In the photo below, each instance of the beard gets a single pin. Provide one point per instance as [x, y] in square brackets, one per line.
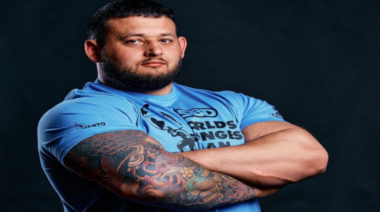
[129, 79]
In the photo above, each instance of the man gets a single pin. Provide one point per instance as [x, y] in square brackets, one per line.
[135, 141]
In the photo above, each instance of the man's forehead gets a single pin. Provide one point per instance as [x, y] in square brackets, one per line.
[141, 25]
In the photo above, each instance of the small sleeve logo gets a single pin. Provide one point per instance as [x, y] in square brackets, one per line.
[82, 126]
[275, 115]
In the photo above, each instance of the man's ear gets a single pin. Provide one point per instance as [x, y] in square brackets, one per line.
[92, 50]
[183, 44]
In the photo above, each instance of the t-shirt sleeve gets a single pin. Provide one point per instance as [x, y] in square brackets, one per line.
[72, 121]
[250, 110]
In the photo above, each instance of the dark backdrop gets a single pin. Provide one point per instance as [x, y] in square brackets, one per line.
[316, 60]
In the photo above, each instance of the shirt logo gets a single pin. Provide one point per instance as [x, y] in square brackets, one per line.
[82, 126]
[197, 112]
[172, 126]
[275, 115]
[200, 125]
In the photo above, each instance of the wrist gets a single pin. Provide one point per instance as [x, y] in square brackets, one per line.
[192, 155]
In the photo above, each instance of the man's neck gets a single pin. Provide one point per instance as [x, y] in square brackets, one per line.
[163, 91]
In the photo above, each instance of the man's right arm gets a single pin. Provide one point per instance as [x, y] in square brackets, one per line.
[134, 165]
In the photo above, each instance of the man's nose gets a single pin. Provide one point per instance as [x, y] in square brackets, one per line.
[153, 49]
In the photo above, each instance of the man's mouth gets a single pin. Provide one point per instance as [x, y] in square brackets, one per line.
[153, 63]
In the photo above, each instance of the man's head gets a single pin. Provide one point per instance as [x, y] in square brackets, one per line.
[135, 45]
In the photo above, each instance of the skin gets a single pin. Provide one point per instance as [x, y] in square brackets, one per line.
[134, 165]
[274, 155]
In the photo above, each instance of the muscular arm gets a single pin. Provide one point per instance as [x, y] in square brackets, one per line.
[275, 154]
[134, 165]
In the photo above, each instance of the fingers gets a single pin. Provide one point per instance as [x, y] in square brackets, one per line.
[265, 192]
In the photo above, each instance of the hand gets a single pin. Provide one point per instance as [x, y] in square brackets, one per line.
[263, 192]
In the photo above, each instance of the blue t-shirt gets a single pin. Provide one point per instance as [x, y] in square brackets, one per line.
[187, 119]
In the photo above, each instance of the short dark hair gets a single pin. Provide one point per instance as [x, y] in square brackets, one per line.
[97, 25]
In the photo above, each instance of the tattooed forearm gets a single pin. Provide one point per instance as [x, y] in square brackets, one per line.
[134, 165]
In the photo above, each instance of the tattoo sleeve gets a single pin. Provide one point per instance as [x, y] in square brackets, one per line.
[134, 165]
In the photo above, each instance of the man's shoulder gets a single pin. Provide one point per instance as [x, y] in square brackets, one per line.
[92, 91]
[89, 100]
[85, 111]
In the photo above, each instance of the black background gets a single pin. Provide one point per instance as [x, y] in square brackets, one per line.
[317, 61]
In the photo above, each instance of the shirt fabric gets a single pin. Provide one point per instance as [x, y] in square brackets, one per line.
[187, 119]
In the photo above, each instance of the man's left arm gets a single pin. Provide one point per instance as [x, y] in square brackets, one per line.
[275, 153]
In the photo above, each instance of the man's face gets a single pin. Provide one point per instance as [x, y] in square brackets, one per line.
[142, 53]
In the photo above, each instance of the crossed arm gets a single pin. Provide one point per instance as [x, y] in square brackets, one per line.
[134, 165]
[275, 154]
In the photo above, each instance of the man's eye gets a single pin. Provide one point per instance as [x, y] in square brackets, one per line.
[166, 40]
[132, 41]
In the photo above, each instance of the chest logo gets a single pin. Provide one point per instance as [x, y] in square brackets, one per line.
[173, 127]
[197, 112]
[200, 124]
